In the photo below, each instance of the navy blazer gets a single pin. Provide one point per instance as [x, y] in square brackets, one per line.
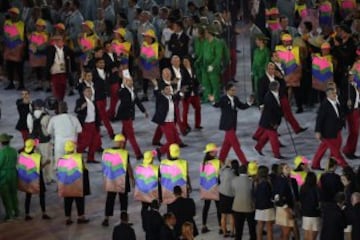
[162, 107]
[70, 65]
[272, 113]
[328, 123]
[126, 110]
[99, 86]
[179, 45]
[264, 88]
[81, 113]
[228, 118]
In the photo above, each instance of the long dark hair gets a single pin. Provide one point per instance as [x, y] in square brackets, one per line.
[310, 182]
[235, 167]
[207, 157]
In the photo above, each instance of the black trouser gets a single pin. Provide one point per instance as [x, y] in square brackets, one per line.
[239, 218]
[13, 68]
[110, 201]
[299, 96]
[39, 71]
[41, 196]
[28, 201]
[144, 208]
[206, 211]
[80, 205]
[145, 86]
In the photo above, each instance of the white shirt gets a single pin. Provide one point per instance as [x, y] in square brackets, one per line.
[171, 111]
[276, 95]
[271, 78]
[178, 76]
[90, 85]
[101, 73]
[165, 37]
[169, 83]
[232, 101]
[191, 75]
[280, 68]
[90, 111]
[59, 61]
[111, 56]
[334, 104]
[131, 90]
[357, 98]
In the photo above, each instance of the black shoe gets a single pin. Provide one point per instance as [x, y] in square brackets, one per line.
[48, 90]
[105, 223]
[234, 80]
[68, 222]
[83, 220]
[158, 154]
[351, 156]
[302, 130]
[93, 161]
[281, 157]
[38, 89]
[318, 168]
[100, 150]
[20, 87]
[71, 93]
[182, 145]
[10, 86]
[221, 231]
[157, 144]
[282, 145]
[141, 156]
[259, 152]
[187, 130]
[300, 110]
[46, 217]
[144, 99]
[199, 128]
[28, 218]
[204, 230]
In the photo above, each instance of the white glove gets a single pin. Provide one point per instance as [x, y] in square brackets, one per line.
[210, 68]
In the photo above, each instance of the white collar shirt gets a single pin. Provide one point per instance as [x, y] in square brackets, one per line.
[171, 111]
[90, 111]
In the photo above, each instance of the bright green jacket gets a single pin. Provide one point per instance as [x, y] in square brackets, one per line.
[8, 160]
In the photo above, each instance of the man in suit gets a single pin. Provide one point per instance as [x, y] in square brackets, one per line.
[273, 73]
[166, 80]
[165, 116]
[167, 231]
[99, 79]
[177, 73]
[329, 122]
[270, 120]
[179, 41]
[89, 118]
[153, 222]
[111, 69]
[350, 95]
[184, 210]
[59, 62]
[191, 94]
[229, 104]
[124, 230]
[126, 112]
